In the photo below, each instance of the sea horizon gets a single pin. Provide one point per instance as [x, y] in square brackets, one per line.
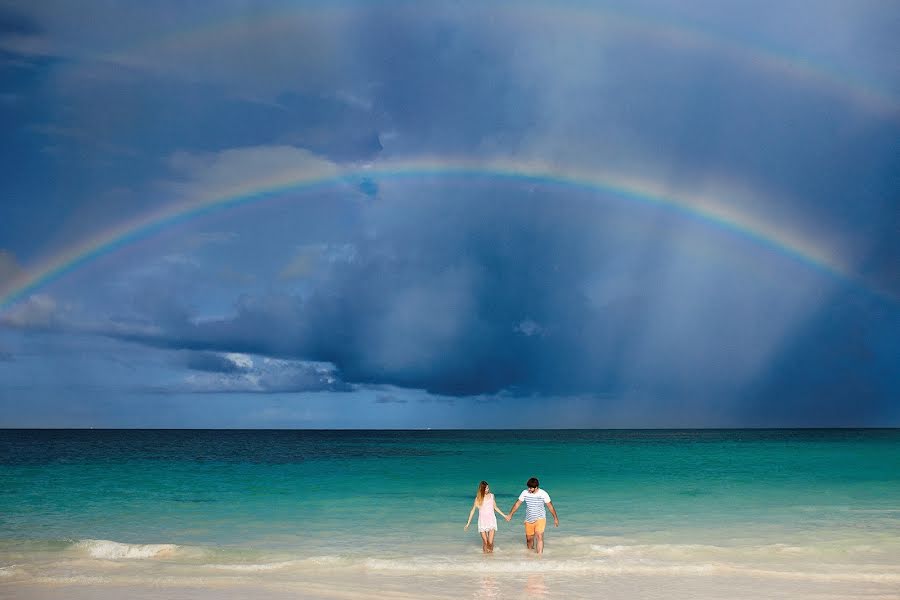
[798, 428]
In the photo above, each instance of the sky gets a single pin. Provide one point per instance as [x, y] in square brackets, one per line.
[450, 214]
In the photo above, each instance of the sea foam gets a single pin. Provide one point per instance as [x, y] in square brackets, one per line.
[444, 566]
[117, 550]
[311, 562]
[9, 571]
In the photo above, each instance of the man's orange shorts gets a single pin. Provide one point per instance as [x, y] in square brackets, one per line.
[538, 526]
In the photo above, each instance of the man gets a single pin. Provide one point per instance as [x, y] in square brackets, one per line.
[535, 516]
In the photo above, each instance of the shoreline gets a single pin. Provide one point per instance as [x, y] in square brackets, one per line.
[413, 587]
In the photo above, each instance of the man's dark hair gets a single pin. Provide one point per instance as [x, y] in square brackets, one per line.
[533, 482]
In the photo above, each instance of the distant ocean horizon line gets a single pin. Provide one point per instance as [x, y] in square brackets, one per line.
[406, 429]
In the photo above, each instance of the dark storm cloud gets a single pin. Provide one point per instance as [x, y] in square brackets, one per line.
[473, 288]
[520, 289]
[436, 301]
[841, 367]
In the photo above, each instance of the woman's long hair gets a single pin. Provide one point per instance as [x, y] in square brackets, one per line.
[479, 496]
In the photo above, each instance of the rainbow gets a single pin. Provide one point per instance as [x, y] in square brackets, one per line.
[211, 37]
[769, 59]
[637, 190]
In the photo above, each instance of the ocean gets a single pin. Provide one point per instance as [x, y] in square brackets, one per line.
[352, 514]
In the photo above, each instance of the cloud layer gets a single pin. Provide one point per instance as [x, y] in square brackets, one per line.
[433, 287]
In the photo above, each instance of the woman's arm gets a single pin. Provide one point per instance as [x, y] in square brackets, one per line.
[469, 522]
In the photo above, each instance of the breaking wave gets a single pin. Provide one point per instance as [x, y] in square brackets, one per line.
[117, 550]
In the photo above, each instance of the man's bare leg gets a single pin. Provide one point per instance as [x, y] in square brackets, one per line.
[529, 541]
[540, 542]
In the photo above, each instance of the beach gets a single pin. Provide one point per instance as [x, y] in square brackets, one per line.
[345, 514]
[615, 588]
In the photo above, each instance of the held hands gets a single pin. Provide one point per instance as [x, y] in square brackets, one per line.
[508, 518]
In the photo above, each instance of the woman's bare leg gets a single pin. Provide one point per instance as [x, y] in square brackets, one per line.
[490, 540]
[484, 542]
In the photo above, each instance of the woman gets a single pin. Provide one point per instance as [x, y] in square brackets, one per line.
[487, 521]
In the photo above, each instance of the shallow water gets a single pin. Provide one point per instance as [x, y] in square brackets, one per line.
[807, 511]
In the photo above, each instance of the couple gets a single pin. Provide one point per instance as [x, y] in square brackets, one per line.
[535, 516]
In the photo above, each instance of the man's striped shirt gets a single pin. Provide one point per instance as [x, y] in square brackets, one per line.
[534, 504]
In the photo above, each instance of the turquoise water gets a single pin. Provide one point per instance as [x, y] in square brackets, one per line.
[805, 503]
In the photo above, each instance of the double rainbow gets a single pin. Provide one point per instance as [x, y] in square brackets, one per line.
[585, 18]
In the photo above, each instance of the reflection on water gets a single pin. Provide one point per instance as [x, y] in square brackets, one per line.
[488, 589]
[535, 586]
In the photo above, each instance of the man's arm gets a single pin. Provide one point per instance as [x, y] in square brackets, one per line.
[513, 510]
[553, 512]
